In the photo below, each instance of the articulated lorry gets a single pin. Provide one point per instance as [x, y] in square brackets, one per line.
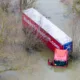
[50, 34]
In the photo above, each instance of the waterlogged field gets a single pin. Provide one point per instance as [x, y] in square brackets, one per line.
[17, 64]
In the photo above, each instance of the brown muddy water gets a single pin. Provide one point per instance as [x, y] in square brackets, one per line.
[17, 64]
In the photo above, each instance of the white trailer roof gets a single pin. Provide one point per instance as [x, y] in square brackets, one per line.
[48, 26]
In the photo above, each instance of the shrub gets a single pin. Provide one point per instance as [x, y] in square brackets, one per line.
[76, 6]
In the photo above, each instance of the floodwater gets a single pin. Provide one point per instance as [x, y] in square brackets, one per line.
[57, 12]
[33, 66]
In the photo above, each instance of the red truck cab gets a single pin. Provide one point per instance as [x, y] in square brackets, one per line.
[60, 58]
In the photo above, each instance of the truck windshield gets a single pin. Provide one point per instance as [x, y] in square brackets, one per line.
[60, 63]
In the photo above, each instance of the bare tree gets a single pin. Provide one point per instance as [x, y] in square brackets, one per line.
[75, 29]
[15, 5]
[26, 4]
